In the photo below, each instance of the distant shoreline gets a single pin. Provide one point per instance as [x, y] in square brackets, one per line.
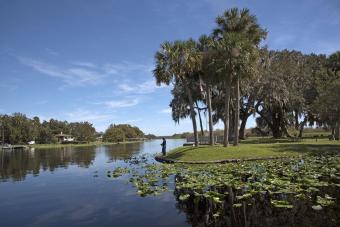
[77, 145]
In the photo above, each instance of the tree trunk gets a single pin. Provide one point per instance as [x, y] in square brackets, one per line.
[192, 115]
[302, 126]
[200, 118]
[237, 112]
[243, 126]
[296, 117]
[276, 129]
[337, 131]
[211, 129]
[226, 114]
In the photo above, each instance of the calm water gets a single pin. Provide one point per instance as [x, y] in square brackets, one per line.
[69, 187]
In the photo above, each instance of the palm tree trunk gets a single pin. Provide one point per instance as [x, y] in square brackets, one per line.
[211, 129]
[302, 125]
[237, 112]
[243, 126]
[337, 131]
[200, 118]
[226, 114]
[192, 114]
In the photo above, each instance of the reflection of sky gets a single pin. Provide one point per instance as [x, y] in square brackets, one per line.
[81, 196]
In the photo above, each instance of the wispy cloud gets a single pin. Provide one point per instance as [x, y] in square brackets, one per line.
[84, 64]
[167, 110]
[81, 73]
[74, 76]
[41, 102]
[121, 103]
[142, 88]
[8, 86]
[282, 41]
[87, 115]
[126, 68]
[52, 52]
[131, 121]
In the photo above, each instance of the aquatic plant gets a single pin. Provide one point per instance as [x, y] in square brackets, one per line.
[281, 181]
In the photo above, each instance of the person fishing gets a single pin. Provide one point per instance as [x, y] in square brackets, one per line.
[163, 144]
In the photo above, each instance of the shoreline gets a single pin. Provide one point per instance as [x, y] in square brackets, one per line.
[47, 146]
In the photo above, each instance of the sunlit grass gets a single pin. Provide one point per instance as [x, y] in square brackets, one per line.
[254, 149]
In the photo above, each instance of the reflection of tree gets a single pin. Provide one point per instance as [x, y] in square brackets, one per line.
[122, 151]
[256, 211]
[16, 164]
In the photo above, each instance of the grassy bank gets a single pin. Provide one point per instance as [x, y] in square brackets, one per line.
[46, 146]
[253, 149]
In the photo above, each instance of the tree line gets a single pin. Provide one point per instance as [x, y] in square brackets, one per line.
[19, 129]
[231, 77]
[122, 132]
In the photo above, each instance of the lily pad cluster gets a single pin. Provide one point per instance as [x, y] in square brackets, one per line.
[282, 182]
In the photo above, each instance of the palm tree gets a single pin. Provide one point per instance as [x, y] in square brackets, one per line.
[207, 74]
[243, 23]
[176, 62]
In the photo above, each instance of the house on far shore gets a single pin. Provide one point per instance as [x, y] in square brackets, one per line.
[64, 138]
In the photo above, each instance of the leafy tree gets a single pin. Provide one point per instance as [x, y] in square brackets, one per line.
[118, 133]
[114, 134]
[83, 131]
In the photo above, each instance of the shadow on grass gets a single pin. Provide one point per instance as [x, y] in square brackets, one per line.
[314, 149]
[179, 154]
[267, 140]
[298, 148]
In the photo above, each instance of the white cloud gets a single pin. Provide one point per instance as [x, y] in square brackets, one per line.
[283, 40]
[41, 102]
[81, 73]
[84, 64]
[52, 52]
[70, 76]
[126, 68]
[121, 103]
[131, 121]
[167, 110]
[8, 86]
[87, 115]
[143, 88]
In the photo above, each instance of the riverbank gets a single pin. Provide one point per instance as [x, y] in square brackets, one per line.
[248, 150]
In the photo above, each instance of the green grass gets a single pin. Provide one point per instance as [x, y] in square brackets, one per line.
[46, 146]
[254, 149]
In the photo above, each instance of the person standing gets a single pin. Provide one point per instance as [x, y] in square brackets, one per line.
[163, 144]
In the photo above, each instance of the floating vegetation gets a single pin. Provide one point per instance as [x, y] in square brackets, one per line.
[281, 204]
[119, 171]
[279, 181]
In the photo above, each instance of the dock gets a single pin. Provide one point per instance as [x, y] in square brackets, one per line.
[13, 147]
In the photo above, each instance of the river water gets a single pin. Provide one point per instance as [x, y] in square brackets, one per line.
[70, 187]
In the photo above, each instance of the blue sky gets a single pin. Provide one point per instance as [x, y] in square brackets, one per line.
[82, 60]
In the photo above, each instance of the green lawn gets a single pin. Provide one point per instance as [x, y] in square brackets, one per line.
[254, 149]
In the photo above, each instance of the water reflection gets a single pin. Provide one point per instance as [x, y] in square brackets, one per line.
[17, 164]
[257, 211]
[122, 151]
